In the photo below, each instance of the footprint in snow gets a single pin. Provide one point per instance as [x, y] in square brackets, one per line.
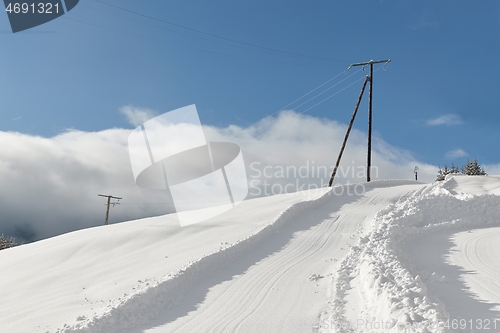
[315, 277]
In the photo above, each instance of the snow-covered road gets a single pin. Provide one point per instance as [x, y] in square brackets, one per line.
[284, 284]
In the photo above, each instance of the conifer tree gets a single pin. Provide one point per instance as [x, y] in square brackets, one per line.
[454, 168]
[5, 243]
[472, 168]
[445, 171]
[442, 173]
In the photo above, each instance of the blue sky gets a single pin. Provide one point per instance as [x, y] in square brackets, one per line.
[438, 98]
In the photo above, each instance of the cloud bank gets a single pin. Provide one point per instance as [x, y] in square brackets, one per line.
[51, 184]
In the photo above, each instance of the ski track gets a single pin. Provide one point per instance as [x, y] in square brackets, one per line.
[461, 271]
[481, 260]
[244, 293]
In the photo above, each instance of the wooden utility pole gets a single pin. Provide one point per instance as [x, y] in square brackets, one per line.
[369, 153]
[348, 131]
[109, 202]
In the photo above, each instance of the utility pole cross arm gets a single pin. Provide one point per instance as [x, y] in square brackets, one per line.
[108, 196]
[371, 62]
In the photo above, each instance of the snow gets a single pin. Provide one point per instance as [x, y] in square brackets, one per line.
[385, 256]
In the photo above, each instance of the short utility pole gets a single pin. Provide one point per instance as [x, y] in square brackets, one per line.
[109, 202]
[369, 154]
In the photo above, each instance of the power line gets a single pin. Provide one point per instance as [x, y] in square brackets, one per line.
[332, 95]
[338, 92]
[167, 29]
[298, 99]
[218, 36]
[244, 46]
[324, 100]
[324, 91]
[190, 47]
[310, 92]
[315, 105]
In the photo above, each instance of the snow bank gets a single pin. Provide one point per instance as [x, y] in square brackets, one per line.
[378, 270]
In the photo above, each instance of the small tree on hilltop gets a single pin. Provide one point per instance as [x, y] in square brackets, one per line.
[5, 243]
[454, 168]
[472, 168]
[445, 171]
[442, 173]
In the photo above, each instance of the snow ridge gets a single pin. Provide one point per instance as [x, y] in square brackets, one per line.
[393, 299]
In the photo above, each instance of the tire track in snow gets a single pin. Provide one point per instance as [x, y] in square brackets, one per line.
[344, 308]
[293, 263]
[159, 300]
[268, 295]
[184, 294]
[480, 260]
[246, 291]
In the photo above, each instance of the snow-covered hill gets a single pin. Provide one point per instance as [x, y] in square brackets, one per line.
[397, 255]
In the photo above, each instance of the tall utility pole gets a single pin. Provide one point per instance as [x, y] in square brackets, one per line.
[109, 201]
[369, 154]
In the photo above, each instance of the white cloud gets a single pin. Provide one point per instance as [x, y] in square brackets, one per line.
[492, 169]
[54, 182]
[294, 140]
[448, 120]
[456, 153]
[136, 116]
